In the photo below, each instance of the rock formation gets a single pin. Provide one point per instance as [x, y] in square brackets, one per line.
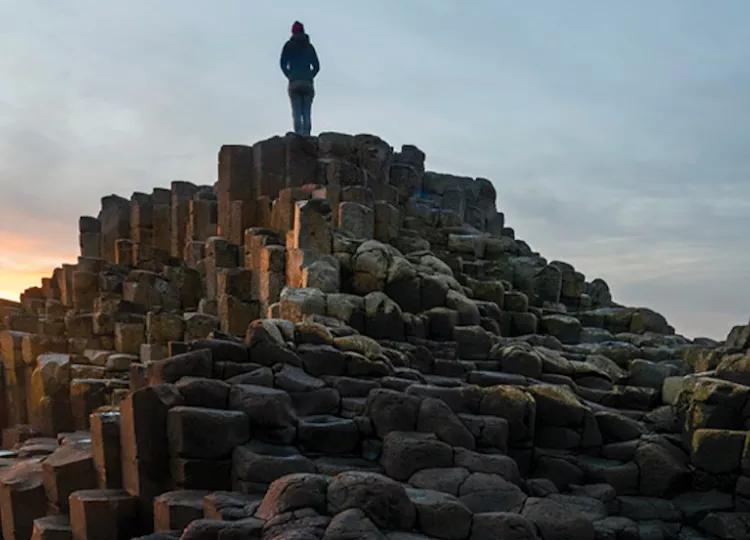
[332, 342]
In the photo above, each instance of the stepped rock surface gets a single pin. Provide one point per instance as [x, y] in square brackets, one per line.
[333, 343]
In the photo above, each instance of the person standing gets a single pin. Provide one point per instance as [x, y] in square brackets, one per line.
[299, 62]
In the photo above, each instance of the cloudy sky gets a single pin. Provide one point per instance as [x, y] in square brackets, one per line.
[617, 133]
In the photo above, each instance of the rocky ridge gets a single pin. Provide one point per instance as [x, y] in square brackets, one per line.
[331, 342]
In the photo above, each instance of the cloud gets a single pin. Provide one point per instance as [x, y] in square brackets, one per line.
[616, 136]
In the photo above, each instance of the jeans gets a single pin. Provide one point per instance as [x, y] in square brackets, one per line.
[301, 96]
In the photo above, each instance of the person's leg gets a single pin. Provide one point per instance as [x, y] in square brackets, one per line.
[296, 100]
[307, 114]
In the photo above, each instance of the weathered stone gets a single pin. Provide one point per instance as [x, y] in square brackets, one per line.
[663, 468]
[446, 479]
[68, 469]
[52, 528]
[488, 463]
[266, 408]
[516, 406]
[717, 450]
[312, 226]
[405, 453]
[440, 515]
[294, 492]
[484, 492]
[519, 359]
[196, 432]
[86, 395]
[436, 417]
[260, 464]
[328, 434]
[730, 525]
[557, 521]
[296, 304]
[557, 405]
[105, 447]
[392, 411]
[502, 526]
[174, 510]
[162, 328]
[22, 499]
[384, 501]
[48, 394]
[144, 444]
[352, 523]
[617, 427]
[565, 328]
[190, 364]
[103, 514]
[199, 325]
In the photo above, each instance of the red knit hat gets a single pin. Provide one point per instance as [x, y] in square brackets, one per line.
[298, 27]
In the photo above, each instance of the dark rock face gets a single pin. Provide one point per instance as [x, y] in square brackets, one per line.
[332, 342]
[384, 501]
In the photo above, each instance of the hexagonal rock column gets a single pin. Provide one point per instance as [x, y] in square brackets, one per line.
[236, 182]
[105, 440]
[182, 193]
[22, 499]
[69, 468]
[114, 218]
[49, 395]
[103, 514]
[143, 432]
[52, 528]
[174, 510]
[89, 236]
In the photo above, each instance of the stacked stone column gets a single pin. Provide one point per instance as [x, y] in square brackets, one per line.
[265, 257]
[235, 191]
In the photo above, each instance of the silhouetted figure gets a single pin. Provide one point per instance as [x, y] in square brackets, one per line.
[299, 62]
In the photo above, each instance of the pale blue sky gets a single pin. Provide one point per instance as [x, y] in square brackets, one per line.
[617, 133]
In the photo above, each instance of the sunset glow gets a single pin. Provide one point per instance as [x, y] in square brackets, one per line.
[25, 260]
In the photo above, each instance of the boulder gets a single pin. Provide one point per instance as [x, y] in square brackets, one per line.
[436, 417]
[564, 327]
[502, 526]
[392, 411]
[327, 434]
[557, 521]
[174, 510]
[663, 468]
[483, 492]
[440, 515]
[729, 525]
[190, 364]
[557, 405]
[446, 479]
[294, 492]
[349, 524]
[617, 427]
[258, 463]
[404, 453]
[197, 432]
[521, 359]
[717, 451]
[204, 392]
[383, 500]
[103, 513]
[266, 408]
[68, 469]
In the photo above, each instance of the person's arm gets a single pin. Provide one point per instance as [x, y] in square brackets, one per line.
[314, 61]
[284, 60]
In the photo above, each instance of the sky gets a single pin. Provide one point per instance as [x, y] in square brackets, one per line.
[617, 134]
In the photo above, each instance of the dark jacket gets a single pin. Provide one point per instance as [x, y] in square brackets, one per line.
[299, 62]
